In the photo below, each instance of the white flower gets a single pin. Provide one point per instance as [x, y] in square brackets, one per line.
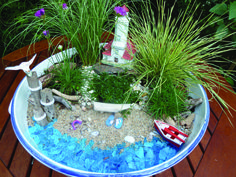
[60, 47]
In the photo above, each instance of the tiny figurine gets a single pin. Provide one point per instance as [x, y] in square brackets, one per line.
[23, 66]
[170, 133]
[120, 50]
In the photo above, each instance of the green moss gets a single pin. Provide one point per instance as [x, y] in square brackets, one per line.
[169, 101]
[114, 89]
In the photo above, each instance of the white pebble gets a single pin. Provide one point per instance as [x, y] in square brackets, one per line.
[151, 134]
[83, 104]
[129, 139]
[83, 108]
[96, 133]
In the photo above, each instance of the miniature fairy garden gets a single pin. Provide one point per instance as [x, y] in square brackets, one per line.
[105, 111]
[114, 137]
[128, 110]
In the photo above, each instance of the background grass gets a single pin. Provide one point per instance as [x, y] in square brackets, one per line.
[11, 11]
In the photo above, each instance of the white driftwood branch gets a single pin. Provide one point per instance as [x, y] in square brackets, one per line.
[68, 97]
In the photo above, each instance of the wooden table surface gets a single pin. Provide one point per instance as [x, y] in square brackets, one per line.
[215, 155]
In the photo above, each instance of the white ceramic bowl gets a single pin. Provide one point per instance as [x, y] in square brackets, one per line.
[18, 111]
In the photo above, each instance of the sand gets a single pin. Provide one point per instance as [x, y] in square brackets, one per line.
[137, 124]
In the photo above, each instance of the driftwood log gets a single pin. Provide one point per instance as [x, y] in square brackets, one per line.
[34, 86]
[47, 101]
[64, 102]
[40, 116]
[45, 79]
[67, 97]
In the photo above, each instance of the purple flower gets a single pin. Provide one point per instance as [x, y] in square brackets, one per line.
[64, 6]
[39, 13]
[46, 32]
[120, 11]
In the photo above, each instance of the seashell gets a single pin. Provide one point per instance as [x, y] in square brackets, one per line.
[95, 133]
[129, 139]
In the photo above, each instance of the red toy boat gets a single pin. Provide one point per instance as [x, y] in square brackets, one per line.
[170, 133]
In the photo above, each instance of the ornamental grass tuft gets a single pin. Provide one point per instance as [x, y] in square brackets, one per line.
[171, 50]
[80, 22]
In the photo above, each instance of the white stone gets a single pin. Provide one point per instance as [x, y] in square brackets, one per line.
[83, 104]
[129, 139]
[151, 134]
[84, 108]
[95, 133]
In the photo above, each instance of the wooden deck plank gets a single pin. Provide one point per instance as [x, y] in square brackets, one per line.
[166, 173]
[4, 171]
[40, 170]
[21, 161]
[7, 99]
[215, 106]
[3, 64]
[182, 169]
[8, 76]
[219, 159]
[195, 157]
[205, 140]
[8, 144]
[212, 123]
[56, 174]
[29, 50]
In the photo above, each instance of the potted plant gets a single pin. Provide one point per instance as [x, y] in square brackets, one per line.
[171, 57]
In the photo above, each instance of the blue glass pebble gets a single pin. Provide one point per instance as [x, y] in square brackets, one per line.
[77, 154]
